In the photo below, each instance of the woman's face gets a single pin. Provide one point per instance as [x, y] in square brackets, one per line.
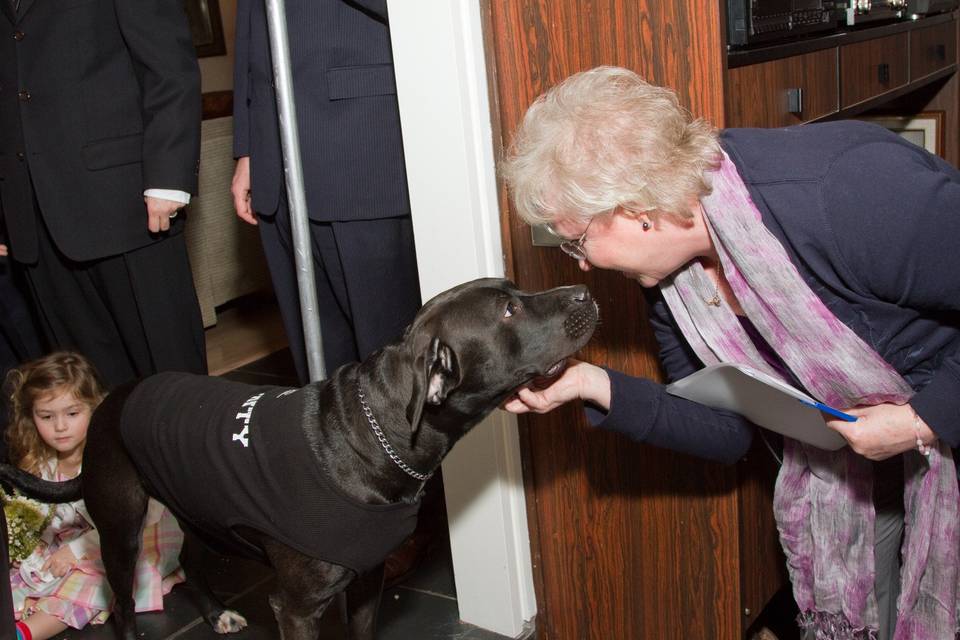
[637, 247]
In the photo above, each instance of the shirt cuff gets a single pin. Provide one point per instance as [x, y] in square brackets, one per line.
[169, 194]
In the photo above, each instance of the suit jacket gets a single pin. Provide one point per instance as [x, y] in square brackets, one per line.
[99, 100]
[350, 143]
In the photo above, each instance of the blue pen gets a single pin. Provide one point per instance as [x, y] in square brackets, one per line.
[830, 410]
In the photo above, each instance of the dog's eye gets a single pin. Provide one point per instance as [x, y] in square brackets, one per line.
[511, 308]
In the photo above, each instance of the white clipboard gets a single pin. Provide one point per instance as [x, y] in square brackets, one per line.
[763, 400]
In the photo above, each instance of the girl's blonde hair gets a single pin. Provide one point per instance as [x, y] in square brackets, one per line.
[38, 379]
[605, 139]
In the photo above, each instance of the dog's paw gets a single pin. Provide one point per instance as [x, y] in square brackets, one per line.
[229, 622]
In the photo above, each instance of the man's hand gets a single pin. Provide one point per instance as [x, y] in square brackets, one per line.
[3, 250]
[883, 431]
[580, 380]
[240, 188]
[159, 213]
[60, 562]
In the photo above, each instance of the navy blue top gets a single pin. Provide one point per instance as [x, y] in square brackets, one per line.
[871, 223]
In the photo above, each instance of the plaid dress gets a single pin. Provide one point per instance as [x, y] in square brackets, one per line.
[82, 595]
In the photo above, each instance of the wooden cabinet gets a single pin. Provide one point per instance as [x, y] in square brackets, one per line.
[840, 75]
[783, 92]
[932, 49]
[869, 69]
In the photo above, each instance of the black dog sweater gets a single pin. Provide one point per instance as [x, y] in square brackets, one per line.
[222, 454]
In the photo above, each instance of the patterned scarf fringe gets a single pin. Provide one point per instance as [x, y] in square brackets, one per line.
[834, 626]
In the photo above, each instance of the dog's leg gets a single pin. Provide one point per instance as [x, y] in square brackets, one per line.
[117, 503]
[306, 587]
[120, 548]
[212, 610]
[363, 603]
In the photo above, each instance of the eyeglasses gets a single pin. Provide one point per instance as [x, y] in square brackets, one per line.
[574, 248]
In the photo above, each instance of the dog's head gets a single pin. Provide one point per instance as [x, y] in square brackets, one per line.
[474, 345]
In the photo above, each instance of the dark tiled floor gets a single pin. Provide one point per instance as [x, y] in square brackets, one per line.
[422, 607]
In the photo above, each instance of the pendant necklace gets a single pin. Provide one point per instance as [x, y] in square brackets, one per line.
[715, 300]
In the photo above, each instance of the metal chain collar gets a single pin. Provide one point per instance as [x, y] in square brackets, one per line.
[377, 431]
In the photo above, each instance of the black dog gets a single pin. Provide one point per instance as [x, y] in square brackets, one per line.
[320, 482]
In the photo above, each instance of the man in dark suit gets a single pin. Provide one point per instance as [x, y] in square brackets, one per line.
[352, 156]
[99, 147]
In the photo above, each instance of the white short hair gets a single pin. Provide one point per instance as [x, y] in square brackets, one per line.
[604, 139]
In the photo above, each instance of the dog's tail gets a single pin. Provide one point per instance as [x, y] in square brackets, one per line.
[39, 489]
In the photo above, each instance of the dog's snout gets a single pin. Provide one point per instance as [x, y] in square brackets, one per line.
[583, 312]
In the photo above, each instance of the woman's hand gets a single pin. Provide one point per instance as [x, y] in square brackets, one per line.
[580, 380]
[60, 562]
[883, 430]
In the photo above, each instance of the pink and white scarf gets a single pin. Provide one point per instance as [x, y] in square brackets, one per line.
[823, 500]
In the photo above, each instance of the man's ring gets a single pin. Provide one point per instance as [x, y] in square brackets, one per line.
[174, 214]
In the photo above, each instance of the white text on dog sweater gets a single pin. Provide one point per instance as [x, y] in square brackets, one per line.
[244, 416]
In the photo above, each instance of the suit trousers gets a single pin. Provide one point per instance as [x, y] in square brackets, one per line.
[367, 286]
[19, 339]
[132, 314]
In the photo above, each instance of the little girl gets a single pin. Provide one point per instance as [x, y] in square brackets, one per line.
[63, 583]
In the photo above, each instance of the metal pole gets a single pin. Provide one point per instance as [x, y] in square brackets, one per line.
[296, 198]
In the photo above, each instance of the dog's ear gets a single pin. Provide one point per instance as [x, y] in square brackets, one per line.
[437, 373]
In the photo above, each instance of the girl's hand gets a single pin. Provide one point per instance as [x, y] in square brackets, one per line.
[882, 431]
[60, 562]
[580, 380]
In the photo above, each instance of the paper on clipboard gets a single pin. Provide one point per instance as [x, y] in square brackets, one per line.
[761, 399]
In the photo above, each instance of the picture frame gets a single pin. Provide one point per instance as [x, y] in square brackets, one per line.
[925, 129]
[206, 27]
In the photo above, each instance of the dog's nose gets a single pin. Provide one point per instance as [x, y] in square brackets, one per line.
[583, 312]
[580, 294]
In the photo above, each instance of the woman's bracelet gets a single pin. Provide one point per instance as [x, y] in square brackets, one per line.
[922, 448]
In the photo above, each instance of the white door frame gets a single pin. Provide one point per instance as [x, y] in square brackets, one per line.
[448, 141]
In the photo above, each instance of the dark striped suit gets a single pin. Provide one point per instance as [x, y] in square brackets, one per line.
[352, 156]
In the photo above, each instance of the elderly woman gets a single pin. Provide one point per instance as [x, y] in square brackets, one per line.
[824, 255]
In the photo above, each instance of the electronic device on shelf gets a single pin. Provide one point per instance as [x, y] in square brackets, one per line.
[917, 8]
[861, 11]
[765, 21]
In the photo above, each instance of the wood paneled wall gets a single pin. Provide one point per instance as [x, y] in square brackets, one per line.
[629, 542]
